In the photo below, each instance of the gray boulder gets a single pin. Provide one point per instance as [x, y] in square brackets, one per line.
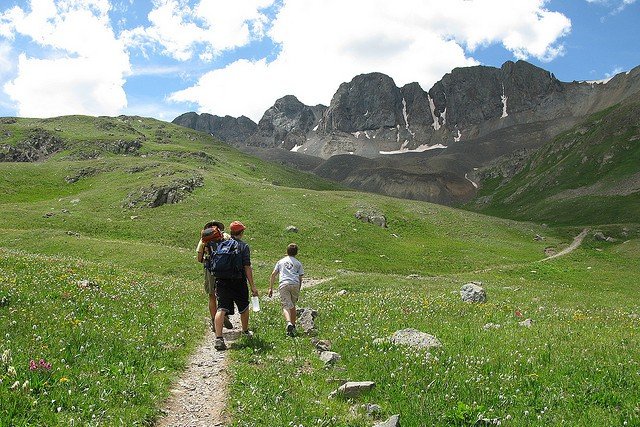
[352, 389]
[329, 357]
[306, 320]
[394, 421]
[372, 217]
[414, 338]
[473, 292]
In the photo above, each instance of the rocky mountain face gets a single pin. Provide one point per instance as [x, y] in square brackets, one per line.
[286, 124]
[229, 129]
[438, 138]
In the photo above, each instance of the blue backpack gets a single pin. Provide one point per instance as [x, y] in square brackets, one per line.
[226, 260]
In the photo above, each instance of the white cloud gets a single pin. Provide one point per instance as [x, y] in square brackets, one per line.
[84, 67]
[6, 60]
[326, 42]
[616, 6]
[211, 25]
[615, 71]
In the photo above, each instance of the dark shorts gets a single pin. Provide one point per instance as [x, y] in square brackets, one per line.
[230, 291]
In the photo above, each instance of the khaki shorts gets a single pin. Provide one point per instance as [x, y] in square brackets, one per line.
[289, 295]
[209, 283]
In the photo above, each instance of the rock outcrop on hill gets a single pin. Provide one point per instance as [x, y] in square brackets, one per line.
[228, 129]
[37, 146]
[422, 144]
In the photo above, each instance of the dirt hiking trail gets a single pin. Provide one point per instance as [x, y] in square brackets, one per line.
[199, 396]
[577, 241]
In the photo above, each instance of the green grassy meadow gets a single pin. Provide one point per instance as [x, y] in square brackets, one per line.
[110, 298]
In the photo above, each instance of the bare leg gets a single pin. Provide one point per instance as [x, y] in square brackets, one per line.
[213, 306]
[244, 320]
[219, 320]
[287, 315]
[293, 315]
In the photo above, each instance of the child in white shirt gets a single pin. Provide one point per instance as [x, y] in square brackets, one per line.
[290, 271]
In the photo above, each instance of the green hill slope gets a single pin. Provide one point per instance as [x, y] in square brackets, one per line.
[98, 278]
[588, 175]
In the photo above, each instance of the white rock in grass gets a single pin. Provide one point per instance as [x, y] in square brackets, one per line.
[342, 292]
[489, 326]
[352, 388]
[394, 421]
[473, 292]
[414, 338]
[526, 323]
[329, 357]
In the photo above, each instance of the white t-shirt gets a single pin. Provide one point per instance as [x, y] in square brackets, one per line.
[290, 270]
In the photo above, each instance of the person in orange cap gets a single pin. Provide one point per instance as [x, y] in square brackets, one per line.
[233, 287]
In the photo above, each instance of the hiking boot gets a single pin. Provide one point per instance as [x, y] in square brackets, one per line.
[291, 329]
[219, 344]
[227, 323]
[247, 333]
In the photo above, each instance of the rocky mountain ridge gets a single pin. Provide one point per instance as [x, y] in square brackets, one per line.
[435, 139]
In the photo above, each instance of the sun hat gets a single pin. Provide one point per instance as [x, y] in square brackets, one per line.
[236, 227]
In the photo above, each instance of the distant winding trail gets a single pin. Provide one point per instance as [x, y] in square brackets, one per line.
[577, 241]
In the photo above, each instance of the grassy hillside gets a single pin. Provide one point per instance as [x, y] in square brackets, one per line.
[106, 290]
[588, 175]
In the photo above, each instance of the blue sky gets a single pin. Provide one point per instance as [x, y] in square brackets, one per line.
[161, 58]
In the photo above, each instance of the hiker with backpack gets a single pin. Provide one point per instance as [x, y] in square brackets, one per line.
[211, 235]
[231, 266]
[290, 273]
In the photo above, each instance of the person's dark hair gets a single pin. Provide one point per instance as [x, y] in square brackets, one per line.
[214, 223]
[292, 249]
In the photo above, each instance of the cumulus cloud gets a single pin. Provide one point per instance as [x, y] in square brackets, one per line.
[83, 66]
[6, 61]
[325, 42]
[209, 27]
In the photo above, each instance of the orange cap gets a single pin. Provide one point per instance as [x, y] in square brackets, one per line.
[236, 227]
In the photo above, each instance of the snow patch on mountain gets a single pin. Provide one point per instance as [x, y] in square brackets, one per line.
[432, 107]
[418, 149]
[504, 104]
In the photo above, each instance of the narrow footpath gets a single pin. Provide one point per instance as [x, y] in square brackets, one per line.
[199, 397]
[577, 241]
